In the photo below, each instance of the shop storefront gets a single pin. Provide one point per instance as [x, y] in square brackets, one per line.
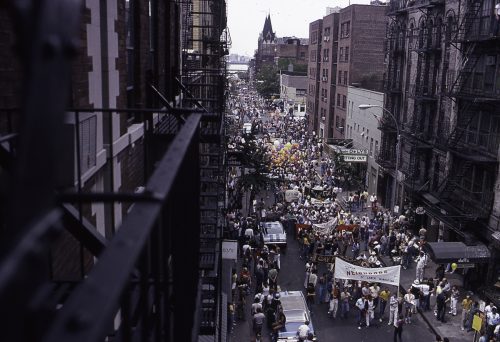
[471, 261]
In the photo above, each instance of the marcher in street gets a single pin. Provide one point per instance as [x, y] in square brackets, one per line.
[383, 299]
[334, 302]
[393, 310]
[345, 296]
[398, 329]
[409, 302]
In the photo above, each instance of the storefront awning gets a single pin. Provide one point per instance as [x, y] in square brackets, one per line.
[459, 252]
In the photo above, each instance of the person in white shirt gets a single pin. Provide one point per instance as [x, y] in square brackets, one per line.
[393, 310]
[496, 20]
[409, 301]
[421, 261]
[303, 331]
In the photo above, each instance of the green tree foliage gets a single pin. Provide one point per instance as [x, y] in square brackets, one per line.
[255, 162]
[267, 81]
[297, 68]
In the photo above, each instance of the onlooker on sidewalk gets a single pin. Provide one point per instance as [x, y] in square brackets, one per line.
[466, 307]
[454, 300]
[441, 306]
[492, 319]
[421, 262]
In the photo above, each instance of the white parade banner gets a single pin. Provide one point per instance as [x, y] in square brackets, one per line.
[385, 275]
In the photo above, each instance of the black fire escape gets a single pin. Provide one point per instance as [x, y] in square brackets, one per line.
[157, 276]
[203, 79]
[473, 139]
[425, 41]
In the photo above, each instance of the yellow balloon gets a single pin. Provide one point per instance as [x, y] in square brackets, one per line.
[454, 266]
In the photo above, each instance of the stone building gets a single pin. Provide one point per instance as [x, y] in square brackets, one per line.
[271, 48]
[442, 84]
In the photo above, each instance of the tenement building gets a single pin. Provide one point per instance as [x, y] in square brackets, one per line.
[443, 87]
[112, 168]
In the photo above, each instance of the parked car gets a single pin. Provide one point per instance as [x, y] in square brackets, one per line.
[273, 233]
[296, 313]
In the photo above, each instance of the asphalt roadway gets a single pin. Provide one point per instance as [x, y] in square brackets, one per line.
[291, 277]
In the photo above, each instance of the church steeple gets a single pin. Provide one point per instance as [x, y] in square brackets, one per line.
[267, 31]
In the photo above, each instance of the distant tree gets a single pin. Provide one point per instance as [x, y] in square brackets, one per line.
[283, 64]
[256, 161]
[267, 81]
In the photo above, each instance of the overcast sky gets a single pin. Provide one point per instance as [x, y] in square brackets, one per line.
[289, 18]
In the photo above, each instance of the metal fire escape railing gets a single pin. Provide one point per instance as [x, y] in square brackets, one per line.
[469, 40]
[141, 283]
[203, 77]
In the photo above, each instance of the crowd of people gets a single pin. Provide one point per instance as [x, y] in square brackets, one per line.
[369, 233]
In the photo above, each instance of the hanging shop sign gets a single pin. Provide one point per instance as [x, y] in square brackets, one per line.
[354, 158]
[354, 155]
[385, 275]
[229, 249]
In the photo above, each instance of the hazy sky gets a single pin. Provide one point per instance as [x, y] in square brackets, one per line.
[289, 18]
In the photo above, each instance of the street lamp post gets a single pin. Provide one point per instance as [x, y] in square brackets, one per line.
[395, 181]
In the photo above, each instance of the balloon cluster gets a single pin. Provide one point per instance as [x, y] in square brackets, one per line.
[288, 154]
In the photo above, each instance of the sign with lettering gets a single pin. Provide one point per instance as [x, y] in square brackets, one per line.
[385, 275]
[330, 259]
[353, 151]
[230, 249]
[349, 158]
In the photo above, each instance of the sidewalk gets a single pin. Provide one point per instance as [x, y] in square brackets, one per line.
[452, 327]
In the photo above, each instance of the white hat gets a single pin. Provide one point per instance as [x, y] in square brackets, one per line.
[377, 263]
[416, 282]
[375, 243]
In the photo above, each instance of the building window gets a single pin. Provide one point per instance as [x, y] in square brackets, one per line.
[341, 59]
[345, 78]
[340, 77]
[371, 147]
[337, 121]
[338, 100]
[376, 147]
[345, 29]
[344, 100]
[347, 54]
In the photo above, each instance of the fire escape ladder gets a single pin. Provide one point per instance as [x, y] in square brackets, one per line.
[472, 11]
[454, 178]
[470, 59]
[464, 118]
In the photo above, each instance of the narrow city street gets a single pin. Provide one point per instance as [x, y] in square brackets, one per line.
[292, 278]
